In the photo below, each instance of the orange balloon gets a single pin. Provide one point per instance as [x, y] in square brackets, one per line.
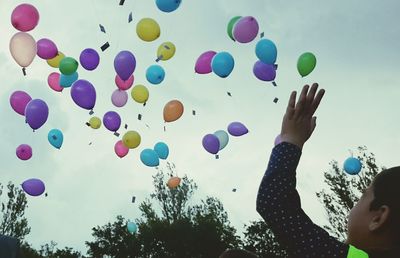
[173, 182]
[173, 110]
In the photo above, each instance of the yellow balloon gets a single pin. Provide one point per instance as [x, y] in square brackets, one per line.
[55, 61]
[131, 139]
[140, 93]
[166, 51]
[148, 29]
[95, 122]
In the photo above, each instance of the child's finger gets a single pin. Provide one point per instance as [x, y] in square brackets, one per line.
[317, 100]
[300, 104]
[311, 95]
[291, 105]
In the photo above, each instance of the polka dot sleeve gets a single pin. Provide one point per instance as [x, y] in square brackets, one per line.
[278, 202]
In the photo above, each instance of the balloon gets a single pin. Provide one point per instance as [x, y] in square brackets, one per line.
[237, 129]
[266, 51]
[55, 61]
[46, 49]
[95, 122]
[24, 152]
[173, 182]
[19, 100]
[223, 138]
[352, 166]
[162, 150]
[89, 59]
[149, 157]
[25, 17]
[264, 72]
[148, 29]
[140, 94]
[33, 187]
[124, 85]
[173, 110]
[124, 64]
[278, 140]
[36, 113]
[55, 138]
[54, 82]
[155, 74]
[231, 25]
[211, 143]
[166, 51]
[84, 94]
[132, 227]
[246, 29]
[68, 65]
[306, 63]
[112, 121]
[23, 48]
[67, 80]
[119, 98]
[222, 64]
[168, 5]
[131, 139]
[120, 149]
[203, 63]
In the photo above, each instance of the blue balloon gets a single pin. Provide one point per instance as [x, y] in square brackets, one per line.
[149, 157]
[222, 64]
[168, 5]
[67, 80]
[223, 138]
[266, 51]
[352, 166]
[56, 138]
[132, 227]
[155, 74]
[162, 150]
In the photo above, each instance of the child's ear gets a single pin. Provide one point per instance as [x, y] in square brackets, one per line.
[380, 218]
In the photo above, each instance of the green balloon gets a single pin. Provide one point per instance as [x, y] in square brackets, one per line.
[231, 25]
[306, 63]
[68, 65]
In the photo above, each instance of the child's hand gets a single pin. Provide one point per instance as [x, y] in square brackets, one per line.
[298, 122]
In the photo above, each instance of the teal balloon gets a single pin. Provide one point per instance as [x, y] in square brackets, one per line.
[155, 74]
[149, 157]
[266, 51]
[66, 81]
[222, 64]
[352, 166]
[223, 138]
[55, 138]
[162, 150]
[306, 63]
[132, 227]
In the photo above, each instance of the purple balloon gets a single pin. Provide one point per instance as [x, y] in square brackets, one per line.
[89, 59]
[237, 129]
[112, 121]
[33, 187]
[203, 63]
[24, 152]
[46, 49]
[211, 143]
[84, 94]
[119, 98]
[264, 72]
[125, 64]
[246, 29]
[19, 100]
[36, 113]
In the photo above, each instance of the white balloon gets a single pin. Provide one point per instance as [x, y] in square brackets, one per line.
[23, 48]
[223, 138]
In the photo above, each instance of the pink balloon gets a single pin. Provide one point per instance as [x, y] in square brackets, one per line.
[25, 17]
[54, 82]
[19, 100]
[124, 85]
[120, 149]
[203, 63]
[46, 49]
[246, 29]
[24, 152]
[119, 98]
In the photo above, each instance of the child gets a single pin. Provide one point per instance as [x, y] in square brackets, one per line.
[374, 222]
[237, 253]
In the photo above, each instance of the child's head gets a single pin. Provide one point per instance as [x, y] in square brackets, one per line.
[237, 253]
[374, 222]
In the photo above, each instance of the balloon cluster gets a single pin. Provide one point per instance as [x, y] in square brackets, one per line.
[151, 157]
[265, 68]
[243, 29]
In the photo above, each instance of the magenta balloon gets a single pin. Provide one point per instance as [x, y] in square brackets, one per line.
[54, 82]
[203, 63]
[211, 143]
[125, 64]
[46, 49]
[237, 129]
[246, 29]
[25, 17]
[19, 100]
[36, 113]
[84, 94]
[33, 187]
[124, 85]
[112, 121]
[264, 72]
[120, 149]
[119, 98]
[89, 59]
[24, 152]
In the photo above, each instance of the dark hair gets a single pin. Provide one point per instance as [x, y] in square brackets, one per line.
[237, 253]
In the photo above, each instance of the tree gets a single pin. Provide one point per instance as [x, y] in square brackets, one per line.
[344, 191]
[48, 251]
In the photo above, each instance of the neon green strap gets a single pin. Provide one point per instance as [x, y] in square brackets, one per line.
[356, 253]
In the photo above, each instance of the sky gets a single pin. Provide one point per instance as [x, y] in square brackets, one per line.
[356, 45]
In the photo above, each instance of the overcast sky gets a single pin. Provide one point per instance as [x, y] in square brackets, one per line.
[356, 45]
